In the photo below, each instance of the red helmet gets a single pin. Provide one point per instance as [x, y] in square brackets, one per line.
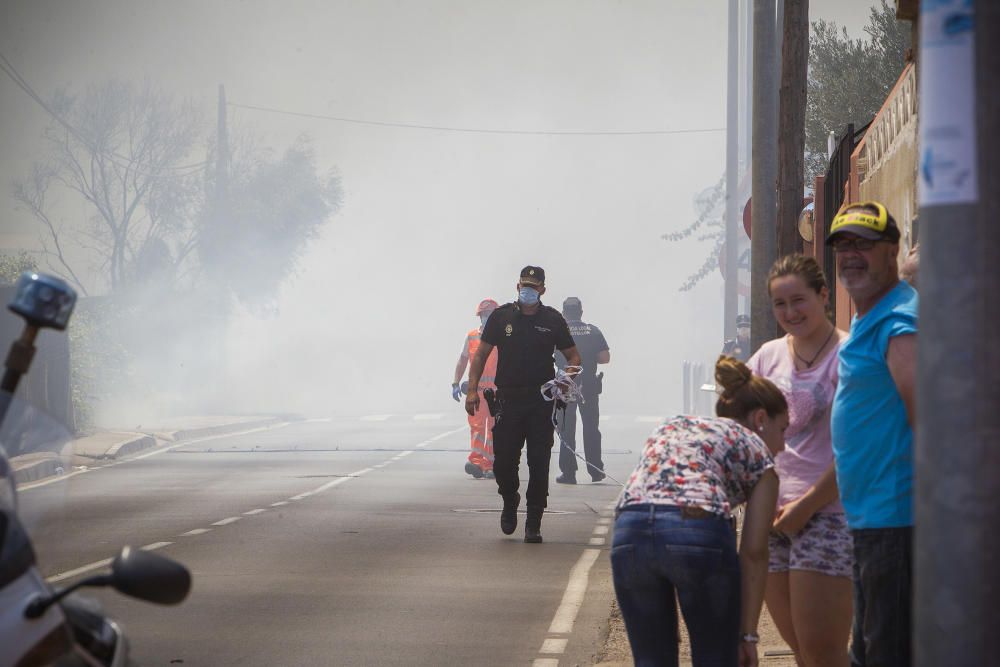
[486, 306]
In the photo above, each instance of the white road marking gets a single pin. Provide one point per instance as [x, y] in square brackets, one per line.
[572, 600]
[649, 420]
[319, 420]
[375, 418]
[156, 545]
[603, 521]
[597, 541]
[226, 522]
[545, 662]
[183, 443]
[605, 418]
[68, 574]
[554, 645]
[80, 570]
[428, 417]
[331, 484]
[600, 530]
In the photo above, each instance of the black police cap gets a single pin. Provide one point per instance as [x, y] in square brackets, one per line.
[533, 275]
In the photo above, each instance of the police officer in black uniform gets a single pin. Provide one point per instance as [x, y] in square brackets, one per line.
[593, 351]
[525, 333]
[739, 347]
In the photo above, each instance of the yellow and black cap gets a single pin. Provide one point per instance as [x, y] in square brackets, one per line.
[869, 220]
[533, 275]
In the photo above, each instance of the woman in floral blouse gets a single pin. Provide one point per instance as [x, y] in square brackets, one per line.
[674, 533]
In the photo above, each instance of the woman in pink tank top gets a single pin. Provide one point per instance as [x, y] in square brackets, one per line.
[811, 553]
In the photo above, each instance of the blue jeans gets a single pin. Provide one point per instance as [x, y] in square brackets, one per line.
[659, 552]
[883, 586]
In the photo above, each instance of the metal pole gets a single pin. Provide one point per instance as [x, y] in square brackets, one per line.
[792, 120]
[957, 458]
[765, 171]
[732, 176]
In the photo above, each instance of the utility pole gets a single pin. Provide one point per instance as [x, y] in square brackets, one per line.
[732, 176]
[792, 121]
[957, 448]
[222, 156]
[765, 171]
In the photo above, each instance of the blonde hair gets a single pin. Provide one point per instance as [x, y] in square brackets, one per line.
[743, 392]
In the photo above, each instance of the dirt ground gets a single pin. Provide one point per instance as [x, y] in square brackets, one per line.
[773, 651]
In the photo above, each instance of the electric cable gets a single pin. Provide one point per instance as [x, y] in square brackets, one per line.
[8, 68]
[471, 130]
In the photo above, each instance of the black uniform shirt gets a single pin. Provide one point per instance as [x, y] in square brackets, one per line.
[525, 344]
[589, 342]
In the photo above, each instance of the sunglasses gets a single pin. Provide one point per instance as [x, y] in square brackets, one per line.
[859, 244]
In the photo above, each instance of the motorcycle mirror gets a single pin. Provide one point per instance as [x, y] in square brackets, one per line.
[43, 300]
[149, 576]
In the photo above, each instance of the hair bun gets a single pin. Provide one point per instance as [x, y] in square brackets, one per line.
[731, 374]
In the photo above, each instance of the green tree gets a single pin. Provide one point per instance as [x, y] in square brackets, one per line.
[849, 79]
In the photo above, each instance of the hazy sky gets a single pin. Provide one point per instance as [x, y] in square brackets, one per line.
[434, 221]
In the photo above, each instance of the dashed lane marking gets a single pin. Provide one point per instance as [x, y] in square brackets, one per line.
[375, 418]
[426, 418]
[183, 443]
[226, 522]
[156, 545]
[648, 419]
[601, 530]
[545, 662]
[104, 562]
[196, 531]
[597, 541]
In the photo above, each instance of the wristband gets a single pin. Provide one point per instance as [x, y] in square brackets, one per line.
[750, 638]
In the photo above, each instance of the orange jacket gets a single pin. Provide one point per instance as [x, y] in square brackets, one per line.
[489, 376]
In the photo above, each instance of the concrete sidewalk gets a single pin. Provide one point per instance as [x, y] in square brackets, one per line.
[113, 444]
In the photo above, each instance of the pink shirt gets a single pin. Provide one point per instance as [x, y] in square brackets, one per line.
[809, 392]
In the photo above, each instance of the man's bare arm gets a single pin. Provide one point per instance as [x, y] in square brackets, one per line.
[572, 356]
[901, 358]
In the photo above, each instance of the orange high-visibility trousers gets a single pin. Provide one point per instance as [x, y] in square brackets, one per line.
[481, 423]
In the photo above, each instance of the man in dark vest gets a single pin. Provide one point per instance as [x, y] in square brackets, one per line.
[593, 350]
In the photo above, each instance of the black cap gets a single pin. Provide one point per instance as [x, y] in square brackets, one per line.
[742, 320]
[533, 275]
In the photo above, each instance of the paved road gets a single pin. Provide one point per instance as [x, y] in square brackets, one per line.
[341, 542]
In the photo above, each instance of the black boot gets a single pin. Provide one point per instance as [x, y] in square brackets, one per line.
[533, 524]
[508, 515]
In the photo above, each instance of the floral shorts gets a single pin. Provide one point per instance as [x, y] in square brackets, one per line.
[823, 546]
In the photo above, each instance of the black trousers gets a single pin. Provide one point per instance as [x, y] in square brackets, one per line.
[523, 420]
[590, 412]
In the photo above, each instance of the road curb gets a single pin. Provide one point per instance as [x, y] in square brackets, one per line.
[31, 472]
[218, 429]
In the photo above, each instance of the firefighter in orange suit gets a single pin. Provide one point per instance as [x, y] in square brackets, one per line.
[480, 461]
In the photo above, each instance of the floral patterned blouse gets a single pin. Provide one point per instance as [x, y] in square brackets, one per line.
[707, 462]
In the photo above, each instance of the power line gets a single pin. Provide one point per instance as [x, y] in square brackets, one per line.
[130, 163]
[469, 130]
